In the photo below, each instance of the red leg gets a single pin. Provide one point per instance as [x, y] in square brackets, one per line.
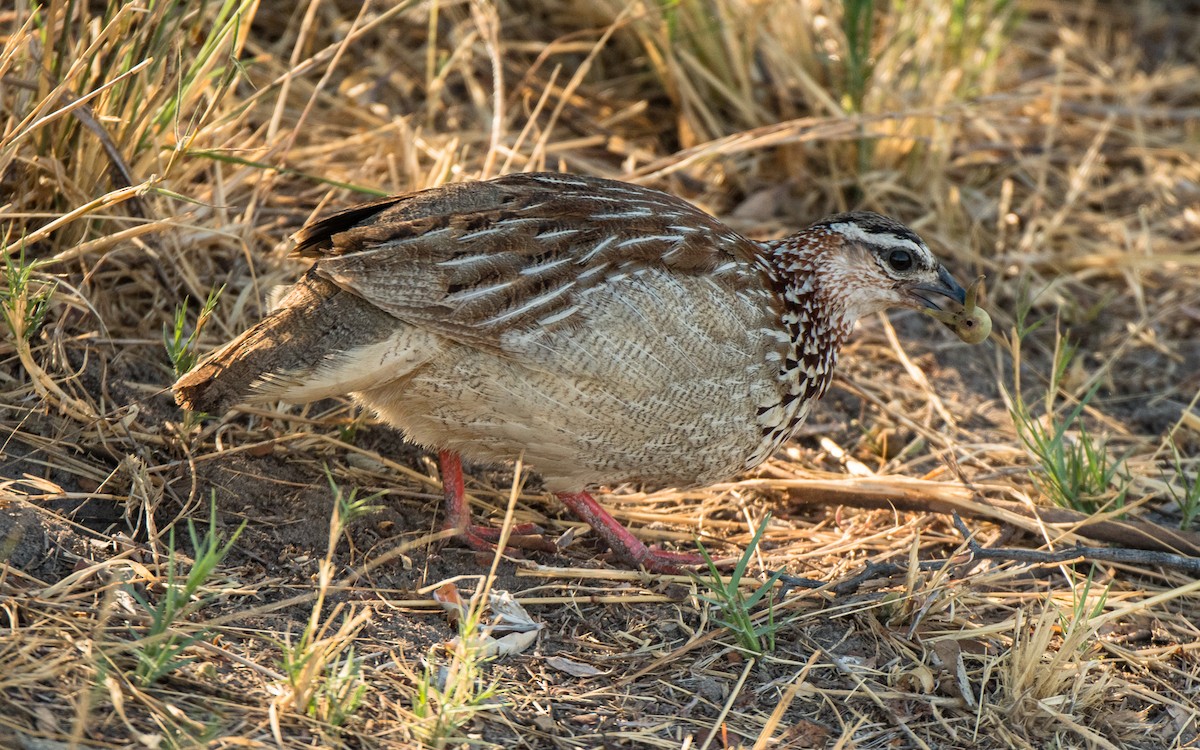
[627, 547]
[458, 514]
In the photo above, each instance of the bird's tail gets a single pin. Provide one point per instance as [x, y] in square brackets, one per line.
[320, 341]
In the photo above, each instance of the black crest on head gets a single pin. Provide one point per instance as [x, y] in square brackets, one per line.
[872, 223]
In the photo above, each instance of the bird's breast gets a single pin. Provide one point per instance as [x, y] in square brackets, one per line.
[660, 382]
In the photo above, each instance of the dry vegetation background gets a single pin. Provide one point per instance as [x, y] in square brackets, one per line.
[151, 152]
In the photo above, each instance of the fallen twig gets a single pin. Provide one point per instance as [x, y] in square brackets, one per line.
[1186, 563]
[902, 493]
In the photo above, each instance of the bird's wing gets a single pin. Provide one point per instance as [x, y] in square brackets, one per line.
[519, 253]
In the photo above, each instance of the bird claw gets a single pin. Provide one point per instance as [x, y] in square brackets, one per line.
[658, 560]
[525, 536]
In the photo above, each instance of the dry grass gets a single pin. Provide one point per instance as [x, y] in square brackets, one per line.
[150, 153]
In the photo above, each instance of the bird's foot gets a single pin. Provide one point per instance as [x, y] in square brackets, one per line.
[658, 560]
[525, 536]
[625, 546]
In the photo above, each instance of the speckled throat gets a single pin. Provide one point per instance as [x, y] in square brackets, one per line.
[815, 327]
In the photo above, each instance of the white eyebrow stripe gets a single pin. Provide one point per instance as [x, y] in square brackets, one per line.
[853, 231]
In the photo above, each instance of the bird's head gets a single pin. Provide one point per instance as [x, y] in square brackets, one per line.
[869, 263]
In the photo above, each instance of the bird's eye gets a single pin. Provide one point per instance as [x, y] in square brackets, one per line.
[900, 260]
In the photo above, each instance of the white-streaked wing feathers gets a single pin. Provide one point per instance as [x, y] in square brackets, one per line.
[516, 253]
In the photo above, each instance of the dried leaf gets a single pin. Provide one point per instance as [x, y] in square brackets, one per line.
[510, 616]
[573, 668]
[508, 645]
[512, 644]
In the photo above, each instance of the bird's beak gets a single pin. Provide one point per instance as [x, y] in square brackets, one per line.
[926, 295]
